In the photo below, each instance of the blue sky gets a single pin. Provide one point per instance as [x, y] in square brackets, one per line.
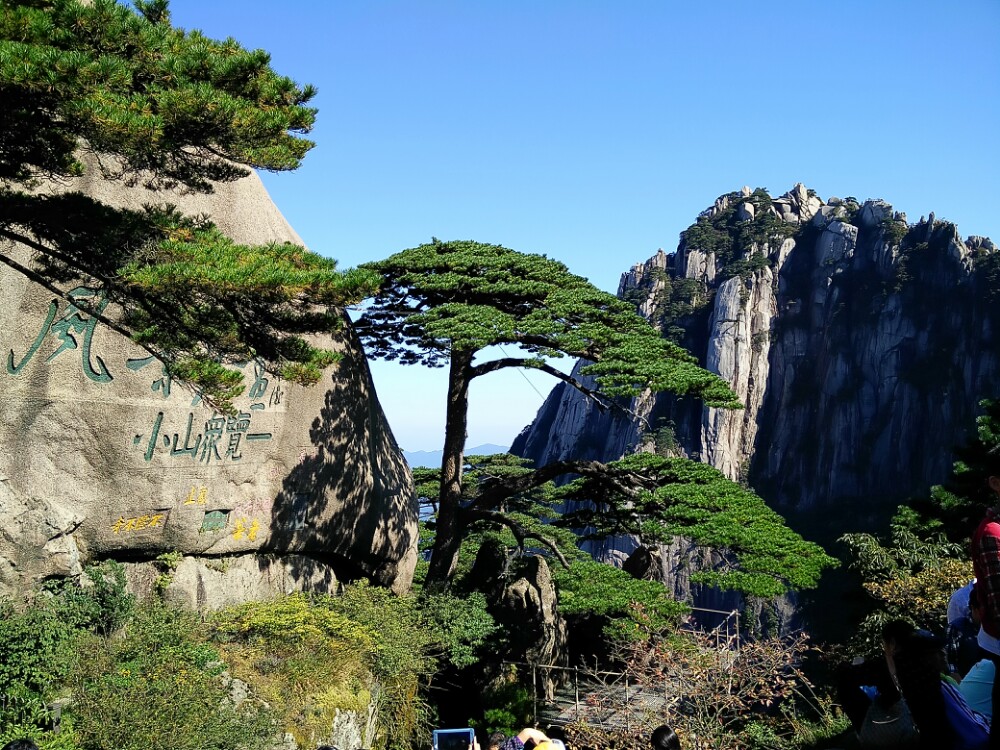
[595, 131]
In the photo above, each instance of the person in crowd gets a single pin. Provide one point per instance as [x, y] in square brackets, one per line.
[986, 564]
[664, 738]
[865, 680]
[977, 685]
[944, 718]
[963, 633]
[519, 740]
[496, 740]
[20, 745]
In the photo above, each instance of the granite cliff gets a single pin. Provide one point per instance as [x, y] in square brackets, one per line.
[103, 456]
[859, 343]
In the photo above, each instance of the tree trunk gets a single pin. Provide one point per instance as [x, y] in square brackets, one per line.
[450, 528]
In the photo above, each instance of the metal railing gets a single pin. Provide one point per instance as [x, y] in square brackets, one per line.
[725, 636]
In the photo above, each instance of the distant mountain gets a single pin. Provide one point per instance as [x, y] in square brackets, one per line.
[432, 459]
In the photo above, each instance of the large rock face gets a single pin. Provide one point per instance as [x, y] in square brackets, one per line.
[102, 456]
[859, 344]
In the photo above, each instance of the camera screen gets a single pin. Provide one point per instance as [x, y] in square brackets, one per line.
[452, 739]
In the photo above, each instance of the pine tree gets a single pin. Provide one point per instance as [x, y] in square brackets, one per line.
[98, 82]
[448, 303]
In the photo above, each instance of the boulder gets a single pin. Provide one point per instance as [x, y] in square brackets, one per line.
[538, 630]
[102, 455]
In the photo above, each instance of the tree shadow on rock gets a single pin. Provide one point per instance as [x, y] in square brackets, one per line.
[348, 506]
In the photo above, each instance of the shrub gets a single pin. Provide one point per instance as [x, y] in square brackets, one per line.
[36, 653]
[462, 625]
[159, 686]
[305, 659]
[35, 647]
[310, 656]
[509, 705]
[752, 697]
[100, 602]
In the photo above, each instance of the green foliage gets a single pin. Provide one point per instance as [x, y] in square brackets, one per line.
[39, 648]
[665, 439]
[162, 677]
[951, 511]
[987, 268]
[894, 230]
[624, 603]
[908, 576]
[465, 296]
[303, 657]
[654, 498]
[730, 239]
[657, 498]
[445, 302]
[740, 251]
[36, 653]
[101, 604]
[910, 572]
[745, 267]
[961, 501]
[913, 545]
[313, 655]
[167, 107]
[46, 739]
[159, 687]
[130, 84]
[166, 563]
[706, 236]
[509, 706]
[675, 305]
[524, 514]
[291, 621]
[851, 208]
[462, 625]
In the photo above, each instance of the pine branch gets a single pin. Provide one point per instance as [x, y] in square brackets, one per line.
[520, 532]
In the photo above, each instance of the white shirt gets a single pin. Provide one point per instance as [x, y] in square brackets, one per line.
[988, 642]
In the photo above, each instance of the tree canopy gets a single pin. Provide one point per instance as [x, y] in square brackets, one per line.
[650, 497]
[446, 300]
[103, 86]
[656, 498]
[451, 302]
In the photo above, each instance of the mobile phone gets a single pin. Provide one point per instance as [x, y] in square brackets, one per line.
[453, 739]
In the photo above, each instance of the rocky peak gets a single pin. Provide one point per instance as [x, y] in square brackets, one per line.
[860, 345]
[797, 206]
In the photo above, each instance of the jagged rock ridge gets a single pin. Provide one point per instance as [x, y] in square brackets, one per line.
[860, 345]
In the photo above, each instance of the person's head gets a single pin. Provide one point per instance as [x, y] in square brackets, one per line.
[20, 745]
[924, 651]
[895, 632]
[665, 738]
[975, 608]
[496, 740]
